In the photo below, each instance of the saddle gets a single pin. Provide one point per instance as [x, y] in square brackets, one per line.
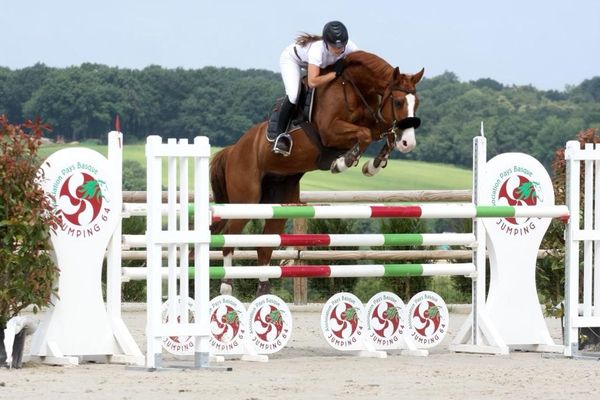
[302, 113]
[301, 119]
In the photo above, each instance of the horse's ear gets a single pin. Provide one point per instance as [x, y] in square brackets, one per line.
[396, 73]
[418, 76]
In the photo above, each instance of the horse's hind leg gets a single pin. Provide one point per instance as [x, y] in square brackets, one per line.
[272, 226]
[276, 190]
[227, 284]
[234, 227]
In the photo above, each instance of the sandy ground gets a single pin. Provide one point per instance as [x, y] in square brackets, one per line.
[309, 368]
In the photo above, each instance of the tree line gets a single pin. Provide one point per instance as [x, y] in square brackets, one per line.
[80, 103]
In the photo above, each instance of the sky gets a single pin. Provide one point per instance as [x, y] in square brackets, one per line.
[550, 44]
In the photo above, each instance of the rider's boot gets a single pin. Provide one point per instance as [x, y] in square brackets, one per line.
[283, 142]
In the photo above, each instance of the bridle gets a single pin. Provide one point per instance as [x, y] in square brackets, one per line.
[397, 125]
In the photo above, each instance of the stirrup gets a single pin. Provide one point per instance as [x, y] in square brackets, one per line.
[281, 138]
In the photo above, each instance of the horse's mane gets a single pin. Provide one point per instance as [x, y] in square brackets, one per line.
[377, 65]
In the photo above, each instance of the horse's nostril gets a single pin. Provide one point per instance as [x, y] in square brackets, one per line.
[404, 143]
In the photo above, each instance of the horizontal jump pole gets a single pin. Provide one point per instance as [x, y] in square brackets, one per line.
[333, 255]
[346, 196]
[319, 271]
[425, 211]
[386, 239]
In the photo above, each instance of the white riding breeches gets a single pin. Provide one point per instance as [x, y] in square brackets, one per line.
[291, 70]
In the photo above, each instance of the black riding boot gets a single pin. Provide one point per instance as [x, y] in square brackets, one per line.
[283, 143]
[278, 118]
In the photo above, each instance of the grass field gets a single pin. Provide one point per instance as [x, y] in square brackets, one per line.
[398, 175]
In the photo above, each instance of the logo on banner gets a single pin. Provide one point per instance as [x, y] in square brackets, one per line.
[428, 319]
[270, 324]
[516, 186]
[179, 345]
[227, 325]
[342, 322]
[386, 320]
[81, 200]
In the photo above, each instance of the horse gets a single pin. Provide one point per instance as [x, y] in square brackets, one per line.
[369, 101]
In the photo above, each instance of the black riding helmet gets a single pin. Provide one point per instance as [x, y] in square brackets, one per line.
[335, 34]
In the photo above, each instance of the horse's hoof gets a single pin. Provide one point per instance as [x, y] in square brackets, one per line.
[226, 289]
[263, 288]
[366, 169]
[338, 166]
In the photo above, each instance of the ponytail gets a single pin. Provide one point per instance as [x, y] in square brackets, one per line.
[305, 38]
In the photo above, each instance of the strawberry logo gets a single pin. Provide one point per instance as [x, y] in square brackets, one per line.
[428, 317]
[346, 320]
[270, 323]
[179, 339]
[225, 325]
[387, 319]
[523, 193]
[80, 199]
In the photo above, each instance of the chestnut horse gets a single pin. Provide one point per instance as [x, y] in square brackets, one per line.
[370, 101]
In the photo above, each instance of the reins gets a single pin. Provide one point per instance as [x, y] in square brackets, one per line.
[376, 115]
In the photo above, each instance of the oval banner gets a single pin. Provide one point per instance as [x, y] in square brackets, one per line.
[428, 319]
[342, 322]
[228, 325]
[269, 324]
[179, 345]
[386, 320]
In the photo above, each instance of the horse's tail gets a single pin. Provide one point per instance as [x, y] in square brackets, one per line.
[218, 184]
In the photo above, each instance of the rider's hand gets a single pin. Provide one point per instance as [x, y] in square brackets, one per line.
[339, 67]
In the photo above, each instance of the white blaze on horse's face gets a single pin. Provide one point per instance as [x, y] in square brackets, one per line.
[406, 141]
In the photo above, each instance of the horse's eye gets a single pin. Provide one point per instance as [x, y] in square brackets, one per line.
[398, 103]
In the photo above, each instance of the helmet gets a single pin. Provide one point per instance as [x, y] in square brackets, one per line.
[335, 34]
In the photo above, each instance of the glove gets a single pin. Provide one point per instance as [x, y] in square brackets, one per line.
[339, 67]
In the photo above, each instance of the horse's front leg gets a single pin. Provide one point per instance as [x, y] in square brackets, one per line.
[375, 165]
[342, 133]
[346, 160]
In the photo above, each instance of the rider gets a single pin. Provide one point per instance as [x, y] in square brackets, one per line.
[311, 52]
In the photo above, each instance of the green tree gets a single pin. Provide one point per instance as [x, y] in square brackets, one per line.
[27, 271]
